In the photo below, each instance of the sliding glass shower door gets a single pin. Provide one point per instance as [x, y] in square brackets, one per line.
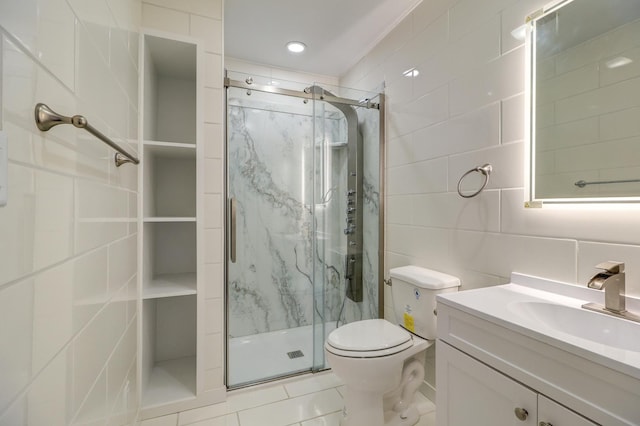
[270, 182]
[288, 230]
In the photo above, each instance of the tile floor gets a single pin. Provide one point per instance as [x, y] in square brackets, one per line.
[308, 401]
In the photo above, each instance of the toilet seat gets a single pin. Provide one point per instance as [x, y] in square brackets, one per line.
[368, 339]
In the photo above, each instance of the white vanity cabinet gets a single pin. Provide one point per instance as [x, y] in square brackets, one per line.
[550, 413]
[490, 361]
[471, 393]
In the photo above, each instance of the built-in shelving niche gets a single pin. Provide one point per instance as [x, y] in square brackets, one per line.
[169, 244]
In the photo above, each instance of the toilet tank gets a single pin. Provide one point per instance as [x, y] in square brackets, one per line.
[414, 291]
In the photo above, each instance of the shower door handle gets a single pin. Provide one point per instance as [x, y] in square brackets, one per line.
[232, 229]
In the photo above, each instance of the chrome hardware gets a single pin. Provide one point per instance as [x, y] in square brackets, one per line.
[350, 210]
[349, 230]
[351, 192]
[612, 280]
[521, 414]
[249, 80]
[232, 229]
[486, 170]
[46, 118]
[583, 183]
[387, 281]
[305, 94]
[350, 202]
[120, 159]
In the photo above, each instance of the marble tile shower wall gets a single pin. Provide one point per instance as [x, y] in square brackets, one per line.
[465, 108]
[270, 172]
[266, 150]
[68, 237]
[329, 219]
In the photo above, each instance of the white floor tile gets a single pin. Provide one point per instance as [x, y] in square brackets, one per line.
[293, 410]
[199, 414]
[314, 383]
[425, 405]
[245, 399]
[310, 401]
[228, 420]
[171, 420]
[332, 419]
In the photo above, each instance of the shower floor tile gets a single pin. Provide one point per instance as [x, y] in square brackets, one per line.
[313, 400]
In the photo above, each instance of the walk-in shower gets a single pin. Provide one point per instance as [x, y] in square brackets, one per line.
[303, 183]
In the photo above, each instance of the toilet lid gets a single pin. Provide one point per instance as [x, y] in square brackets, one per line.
[368, 336]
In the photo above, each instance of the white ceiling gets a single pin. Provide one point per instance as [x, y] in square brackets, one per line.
[337, 33]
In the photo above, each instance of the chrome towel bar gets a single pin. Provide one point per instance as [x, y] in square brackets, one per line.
[582, 183]
[46, 118]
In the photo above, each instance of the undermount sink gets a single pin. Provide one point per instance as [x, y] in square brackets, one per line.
[580, 323]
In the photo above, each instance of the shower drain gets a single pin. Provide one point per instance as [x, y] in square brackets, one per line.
[295, 354]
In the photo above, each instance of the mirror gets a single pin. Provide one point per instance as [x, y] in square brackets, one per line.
[585, 101]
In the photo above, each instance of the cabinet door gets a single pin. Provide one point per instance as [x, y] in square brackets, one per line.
[470, 393]
[550, 413]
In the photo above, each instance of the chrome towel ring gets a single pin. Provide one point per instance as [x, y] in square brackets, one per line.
[486, 170]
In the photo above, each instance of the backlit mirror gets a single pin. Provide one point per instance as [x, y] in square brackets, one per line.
[585, 101]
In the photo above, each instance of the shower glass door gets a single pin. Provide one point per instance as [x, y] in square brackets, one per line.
[287, 180]
[270, 289]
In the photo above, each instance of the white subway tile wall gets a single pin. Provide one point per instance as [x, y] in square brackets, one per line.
[68, 240]
[465, 108]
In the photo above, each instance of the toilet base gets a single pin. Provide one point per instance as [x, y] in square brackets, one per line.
[410, 417]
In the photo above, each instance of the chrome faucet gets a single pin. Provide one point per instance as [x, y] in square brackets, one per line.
[611, 278]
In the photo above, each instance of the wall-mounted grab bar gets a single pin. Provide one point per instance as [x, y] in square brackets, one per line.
[582, 183]
[46, 118]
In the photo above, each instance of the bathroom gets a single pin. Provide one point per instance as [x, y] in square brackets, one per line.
[72, 263]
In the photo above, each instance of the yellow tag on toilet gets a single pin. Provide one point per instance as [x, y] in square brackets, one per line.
[408, 323]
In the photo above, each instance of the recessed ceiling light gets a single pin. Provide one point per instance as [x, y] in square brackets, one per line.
[411, 72]
[296, 46]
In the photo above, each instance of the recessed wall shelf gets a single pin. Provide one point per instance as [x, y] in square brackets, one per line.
[172, 380]
[169, 219]
[169, 281]
[168, 285]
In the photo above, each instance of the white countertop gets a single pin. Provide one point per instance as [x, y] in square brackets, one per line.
[509, 306]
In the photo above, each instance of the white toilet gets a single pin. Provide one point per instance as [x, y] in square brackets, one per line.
[382, 364]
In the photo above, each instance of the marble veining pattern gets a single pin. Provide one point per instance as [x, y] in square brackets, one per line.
[277, 166]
